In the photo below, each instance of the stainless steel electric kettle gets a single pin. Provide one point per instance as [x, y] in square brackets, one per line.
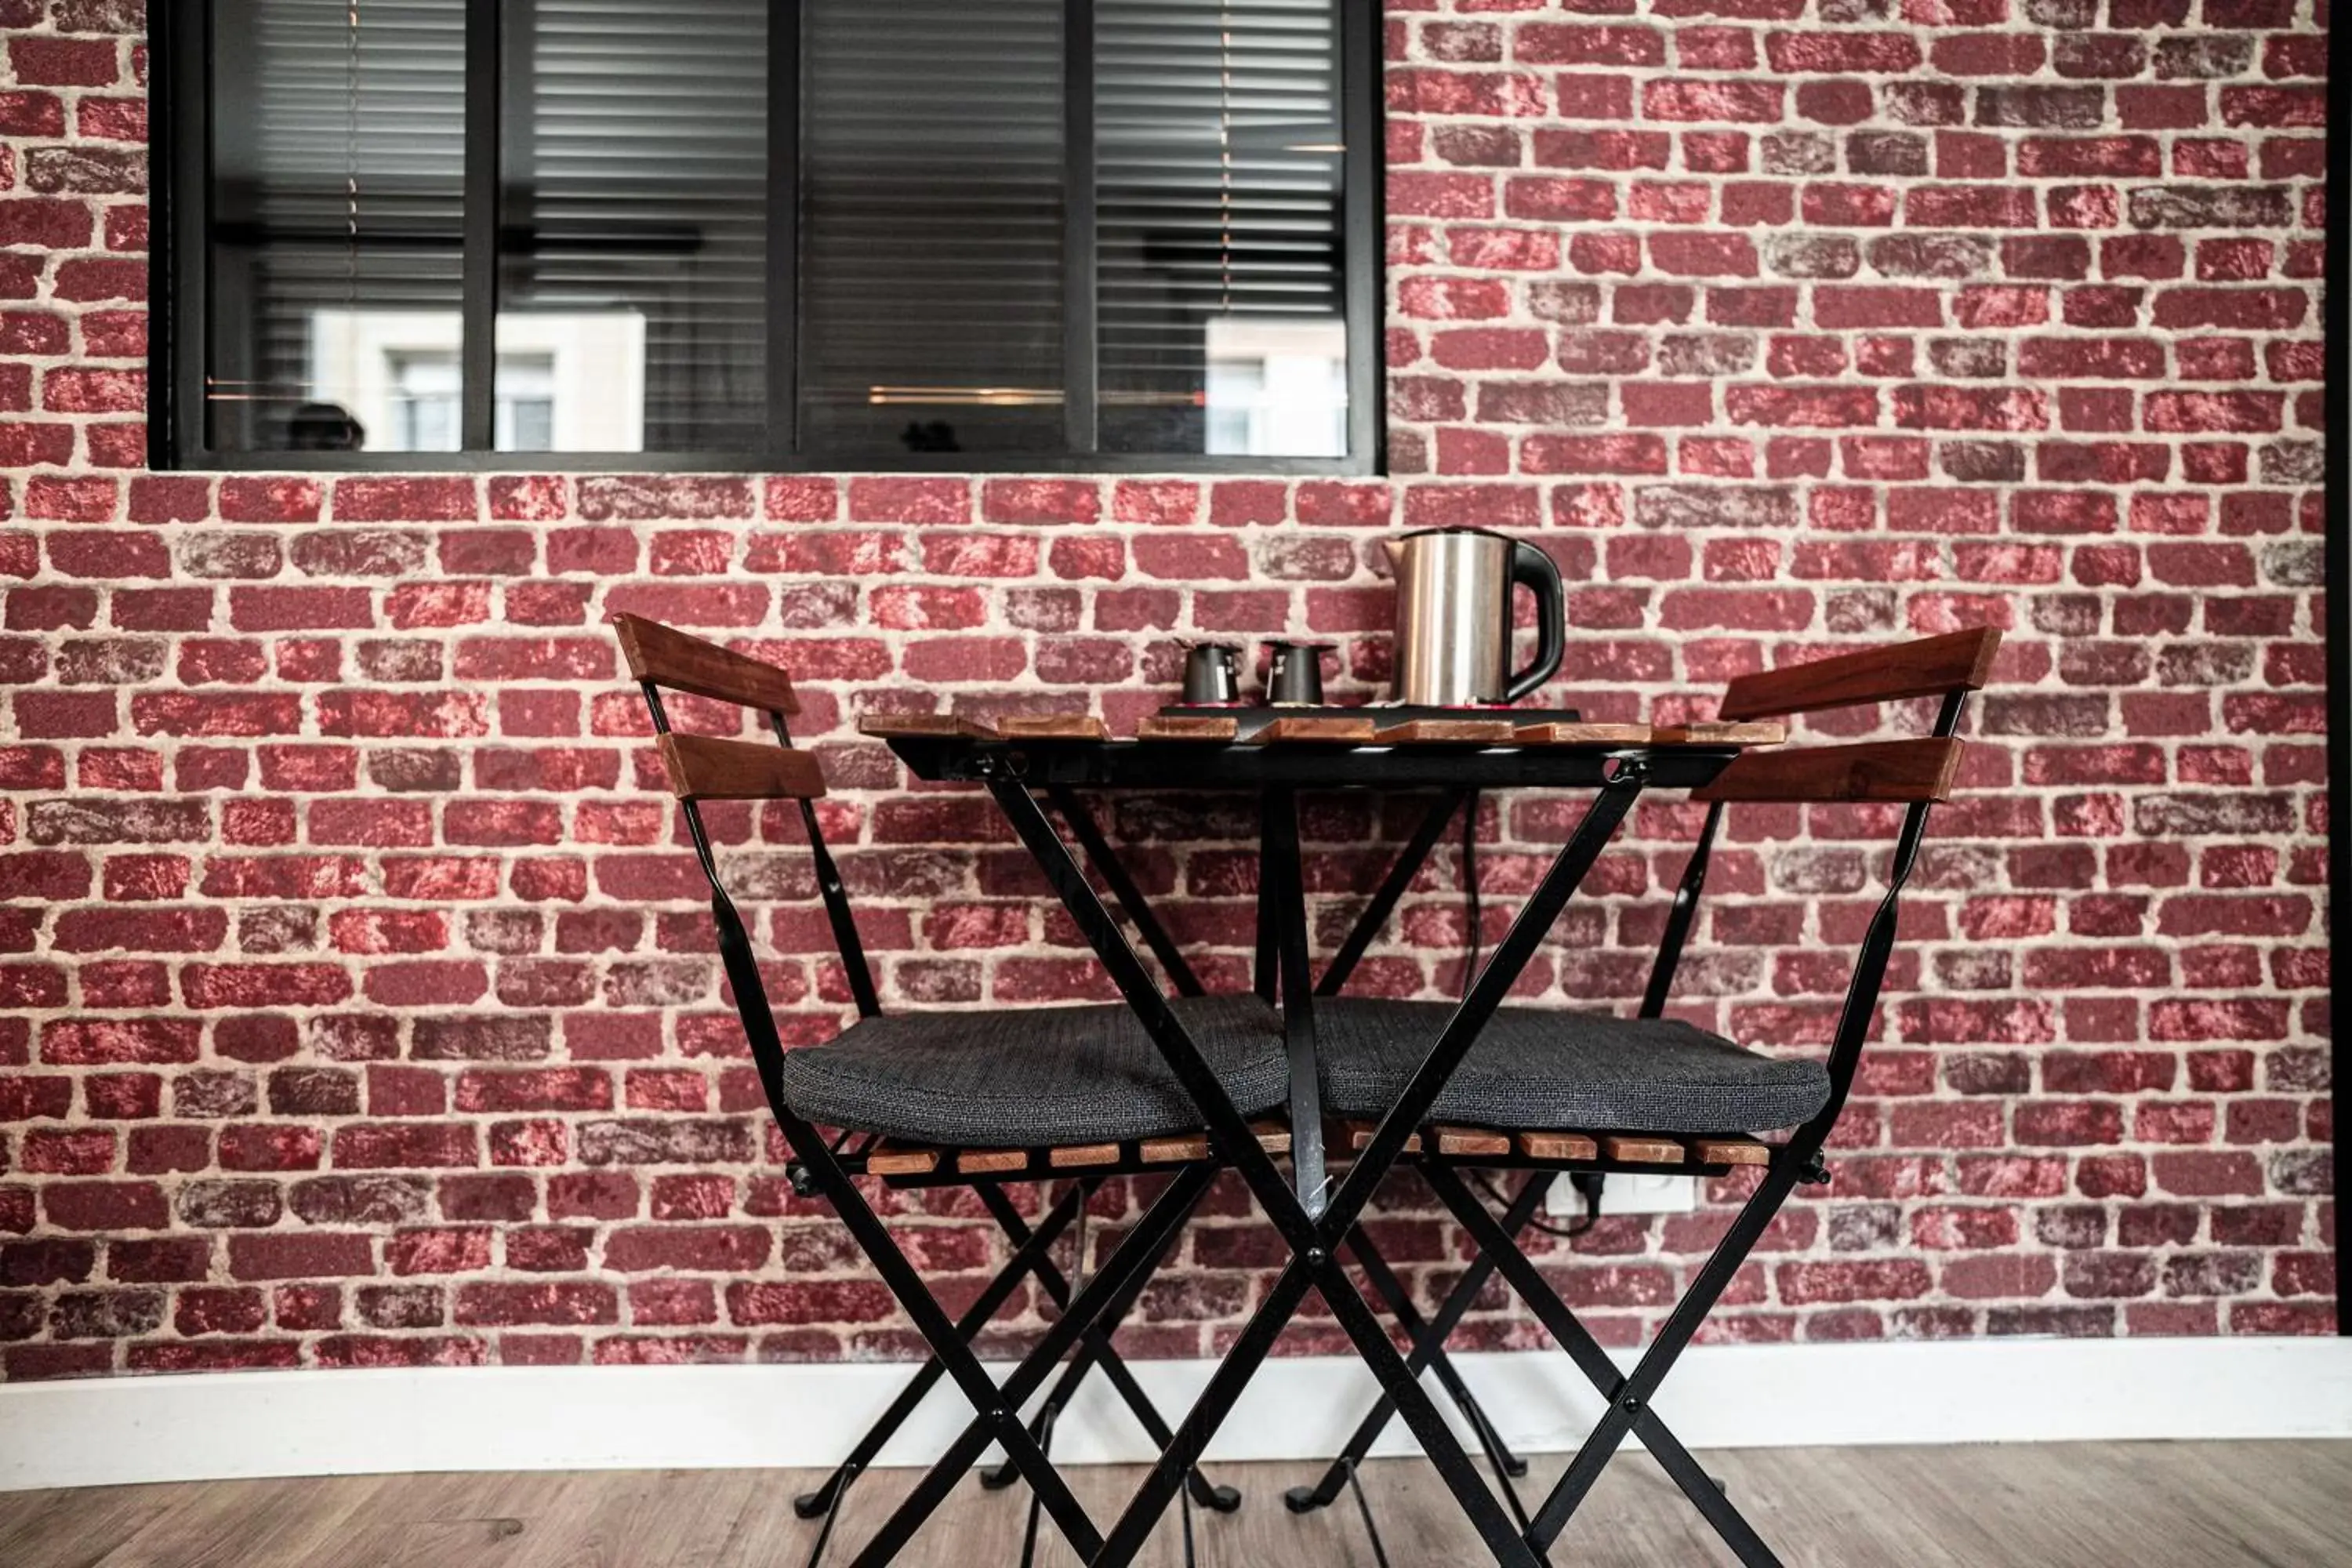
[1453, 616]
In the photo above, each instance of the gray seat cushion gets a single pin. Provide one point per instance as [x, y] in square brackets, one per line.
[1538, 1069]
[1033, 1076]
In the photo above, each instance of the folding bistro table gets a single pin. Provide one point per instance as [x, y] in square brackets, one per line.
[1316, 1210]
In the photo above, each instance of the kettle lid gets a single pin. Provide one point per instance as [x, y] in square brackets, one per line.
[1455, 529]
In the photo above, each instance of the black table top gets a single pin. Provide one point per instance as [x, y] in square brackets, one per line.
[1184, 764]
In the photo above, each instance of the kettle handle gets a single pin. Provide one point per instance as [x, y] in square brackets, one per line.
[1540, 573]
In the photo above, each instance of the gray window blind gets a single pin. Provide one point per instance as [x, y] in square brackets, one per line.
[338, 193]
[931, 219]
[1219, 171]
[636, 217]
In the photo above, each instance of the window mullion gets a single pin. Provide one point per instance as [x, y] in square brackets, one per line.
[783, 231]
[485, 84]
[1363, 66]
[1081, 321]
[179, 411]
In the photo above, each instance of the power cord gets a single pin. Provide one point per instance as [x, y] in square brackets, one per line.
[1470, 912]
[1587, 1184]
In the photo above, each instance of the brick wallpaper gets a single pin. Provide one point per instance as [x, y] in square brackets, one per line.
[359, 1008]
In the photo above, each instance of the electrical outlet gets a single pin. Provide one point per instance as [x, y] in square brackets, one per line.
[1624, 1193]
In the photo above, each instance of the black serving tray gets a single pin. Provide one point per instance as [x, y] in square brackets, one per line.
[1251, 717]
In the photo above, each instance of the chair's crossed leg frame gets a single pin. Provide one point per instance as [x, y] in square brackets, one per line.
[1031, 1256]
[1628, 1411]
[816, 1169]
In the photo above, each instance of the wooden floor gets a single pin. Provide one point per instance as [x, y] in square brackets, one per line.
[2149, 1505]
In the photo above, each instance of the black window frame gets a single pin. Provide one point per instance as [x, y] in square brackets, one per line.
[180, 91]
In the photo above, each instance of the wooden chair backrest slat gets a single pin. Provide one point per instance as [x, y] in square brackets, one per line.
[1931, 667]
[1917, 770]
[703, 767]
[678, 662]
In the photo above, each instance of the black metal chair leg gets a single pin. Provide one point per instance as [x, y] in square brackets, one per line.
[1095, 1348]
[1030, 1247]
[1428, 1344]
[1490, 1437]
[1400, 1300]
[837, 1489]
[1120, 1277]
[1197, 1485]
[1629, 1409]
[1364, 1506]
[1044, 1432]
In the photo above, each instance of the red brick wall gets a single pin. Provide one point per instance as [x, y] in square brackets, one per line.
[359, 1007]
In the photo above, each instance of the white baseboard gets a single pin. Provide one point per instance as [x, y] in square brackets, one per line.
[235, 1426]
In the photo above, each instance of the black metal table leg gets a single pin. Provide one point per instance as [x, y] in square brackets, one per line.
[1313, 1240]
[1122, 886]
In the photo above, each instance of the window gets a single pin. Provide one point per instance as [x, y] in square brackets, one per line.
[768, 234]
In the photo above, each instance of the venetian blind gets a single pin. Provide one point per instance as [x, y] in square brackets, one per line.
[931, 222]
[338, 193]
[636, 212]
[1219, 164]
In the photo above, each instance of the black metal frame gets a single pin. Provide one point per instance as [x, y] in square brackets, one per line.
[1315, 1216]
[1429, 1342]
[179, 291]
[1316, 1230]
[1314, 1241]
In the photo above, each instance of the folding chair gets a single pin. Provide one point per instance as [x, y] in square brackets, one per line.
[1668, 1093]
[958, 1099]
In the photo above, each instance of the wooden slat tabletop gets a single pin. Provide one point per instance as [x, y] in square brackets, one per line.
[1322, 730]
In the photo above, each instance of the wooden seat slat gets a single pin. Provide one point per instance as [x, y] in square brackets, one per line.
[1273, 1137]
[888, 1158]
[1468, 1141]
[1360, 1138]
[1177, 1149]
[1558, 1146]
[1729, 1151]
